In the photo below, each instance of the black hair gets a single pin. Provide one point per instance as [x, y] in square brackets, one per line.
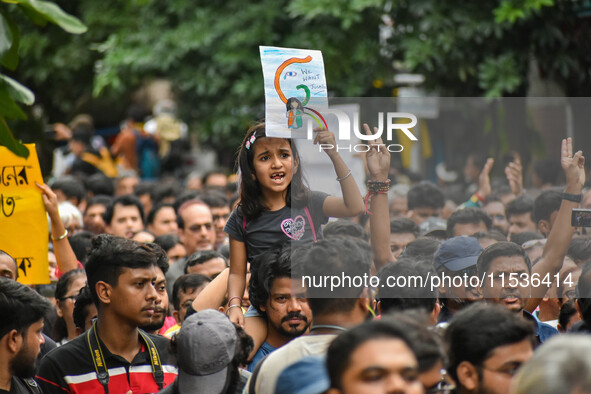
[548, 170]
[467, 216]
[110, 255]
[60, 330]
[251, 204]
[81, 243]
[500, 249]
[155, 209]
[202, 256]
[20, 306]
[167, 241]
[184, 197]
[185, 283]
[547, 202]
[334, 256]
[519, 206]
[422, 248]
[477, 330]
[71, 187]
[99, 184]
[403, 225]
[428, 344]
[408, 294]
[126, 201]
[137, 112]
[99, 199]
[339, 352]
[144, 187]
[425, 195]
[83, 300]
[273, 264]
[344, 227]
[521, 238]
[583, 290]
[580, 249]
[567, 311]
[161, 191]
[244, 347]
[492, 234]
[215, 199]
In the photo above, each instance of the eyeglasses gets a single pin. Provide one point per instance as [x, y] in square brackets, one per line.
[533, 242]
[72, 297]
[197, 228]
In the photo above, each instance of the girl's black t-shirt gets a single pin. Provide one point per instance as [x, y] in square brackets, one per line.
[274, 227]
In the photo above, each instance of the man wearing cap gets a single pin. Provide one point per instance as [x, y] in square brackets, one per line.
[434, 228]
[209, 350]
[454, 258]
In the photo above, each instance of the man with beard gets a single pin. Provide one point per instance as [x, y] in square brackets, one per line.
[114, 355]
[271, 292]
[335, 308]
[22, 311]
[161, 309]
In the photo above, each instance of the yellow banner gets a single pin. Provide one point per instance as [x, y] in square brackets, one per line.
[23, 222]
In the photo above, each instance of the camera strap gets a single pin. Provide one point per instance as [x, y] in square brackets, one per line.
[100, 365]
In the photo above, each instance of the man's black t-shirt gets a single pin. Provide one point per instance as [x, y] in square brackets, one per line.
[20, 386]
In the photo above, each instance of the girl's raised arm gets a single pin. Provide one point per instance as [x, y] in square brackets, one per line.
[352, 203]
[236, 281]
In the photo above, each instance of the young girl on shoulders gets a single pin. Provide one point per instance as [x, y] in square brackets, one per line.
[276, 206]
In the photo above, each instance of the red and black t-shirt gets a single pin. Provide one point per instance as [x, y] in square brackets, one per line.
[70, 369]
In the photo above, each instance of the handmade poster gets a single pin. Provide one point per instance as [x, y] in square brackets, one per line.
[295, 91]
[23, 221]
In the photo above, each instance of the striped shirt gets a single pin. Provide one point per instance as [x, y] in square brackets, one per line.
[70, 369]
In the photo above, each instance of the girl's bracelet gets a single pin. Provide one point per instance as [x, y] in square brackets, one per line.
[232, 306]
[231, 298]
[345, 177]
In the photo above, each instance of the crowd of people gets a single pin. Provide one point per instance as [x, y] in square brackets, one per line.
[237, 282]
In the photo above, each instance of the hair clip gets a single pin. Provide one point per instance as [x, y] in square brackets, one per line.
[250, 141]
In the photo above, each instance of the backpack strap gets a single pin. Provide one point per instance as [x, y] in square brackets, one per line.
[311, 223]
[244, 223]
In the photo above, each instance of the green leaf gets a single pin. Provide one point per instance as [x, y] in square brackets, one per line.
[7, 140]
[54, 14]
[18, 92]
[8, 107]
[5, 36]
[10, 58]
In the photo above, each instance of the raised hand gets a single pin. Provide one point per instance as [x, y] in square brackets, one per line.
[573, 167]
[484, 188]
[514, 174]
[378, 157]
[326, 138]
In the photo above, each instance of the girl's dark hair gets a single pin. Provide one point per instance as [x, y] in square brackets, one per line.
[251, 204]
[60, 331]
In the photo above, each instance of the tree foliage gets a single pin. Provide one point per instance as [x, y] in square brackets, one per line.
[209, 51]
[13, 92]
